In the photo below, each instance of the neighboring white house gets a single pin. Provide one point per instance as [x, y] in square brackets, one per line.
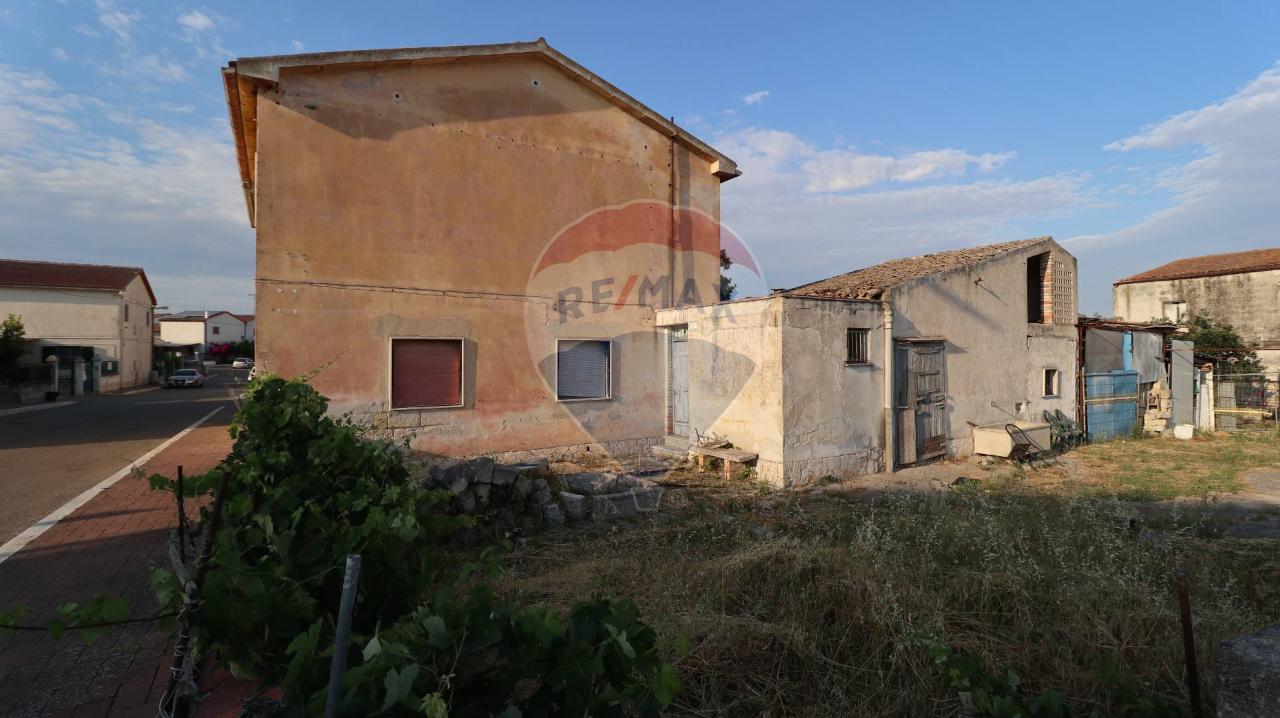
[97, 312]
[202, 328]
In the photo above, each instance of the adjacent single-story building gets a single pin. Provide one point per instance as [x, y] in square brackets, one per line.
[91, 315]
[1239, 288]
[882, 367]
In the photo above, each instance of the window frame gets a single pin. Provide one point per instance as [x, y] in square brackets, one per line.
[462, 372]
[1180, 310]
[849, 333]
[1057, 382]
[608, 374]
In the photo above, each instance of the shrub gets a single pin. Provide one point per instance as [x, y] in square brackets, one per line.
[475, 655]
[304, 491]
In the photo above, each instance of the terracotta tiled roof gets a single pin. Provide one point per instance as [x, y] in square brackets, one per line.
[1211, 265]
[870, 282]
[246, 318]
[23, 273]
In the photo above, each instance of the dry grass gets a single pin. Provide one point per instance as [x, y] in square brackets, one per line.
[1160, 468]
[796, 606]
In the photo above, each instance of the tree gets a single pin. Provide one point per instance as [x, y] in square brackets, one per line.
[12, 336]
[727, 286]
[1231, 353]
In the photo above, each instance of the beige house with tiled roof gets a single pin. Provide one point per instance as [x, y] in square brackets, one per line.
[1240, 288]
[99, 313]
[882, 367]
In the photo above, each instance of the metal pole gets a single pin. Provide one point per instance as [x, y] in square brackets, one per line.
[1188, 637]
[182, 520]
[338, 665]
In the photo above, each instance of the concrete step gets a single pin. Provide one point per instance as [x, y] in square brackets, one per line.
[672, 447]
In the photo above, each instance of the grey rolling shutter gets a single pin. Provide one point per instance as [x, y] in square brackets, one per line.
[582, 370]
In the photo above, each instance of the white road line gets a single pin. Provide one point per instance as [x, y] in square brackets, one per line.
[36, 407]
[17, 543]
[140, 391]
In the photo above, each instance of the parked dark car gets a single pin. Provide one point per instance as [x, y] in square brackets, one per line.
[185, 377]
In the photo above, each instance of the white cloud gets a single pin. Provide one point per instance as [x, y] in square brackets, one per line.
[800, 234]
[61, 54]
[117, 21]
[152, 67]
[195, 21]
[1223, 199]
[297, 45]
[842, 169]
[99, 187]
[756, 98]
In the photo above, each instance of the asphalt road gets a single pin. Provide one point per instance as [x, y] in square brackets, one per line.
[49, 457]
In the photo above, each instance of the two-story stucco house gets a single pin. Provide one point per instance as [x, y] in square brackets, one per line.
[101, 314]
[468, 245]
[1240, 288]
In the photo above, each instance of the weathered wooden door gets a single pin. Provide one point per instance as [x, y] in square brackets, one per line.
[921, 401]
[678, 382]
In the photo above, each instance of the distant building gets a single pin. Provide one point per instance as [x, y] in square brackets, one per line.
[201, 328]
[1240, 288]
[96, 312]
[249, 326]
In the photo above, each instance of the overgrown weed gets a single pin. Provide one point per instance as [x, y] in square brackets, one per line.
[817, 607]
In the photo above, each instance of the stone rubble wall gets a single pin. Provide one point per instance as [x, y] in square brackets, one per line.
[528, 497]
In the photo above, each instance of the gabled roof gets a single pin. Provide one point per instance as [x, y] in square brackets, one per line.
[1210, 265]
[246, 318]
[193, 315]
[64, 275]
[870, 282]
[243, 77]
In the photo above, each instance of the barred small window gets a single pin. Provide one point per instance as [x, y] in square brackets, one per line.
[856, 347]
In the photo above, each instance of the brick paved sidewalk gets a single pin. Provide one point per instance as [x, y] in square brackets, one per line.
[109, 546]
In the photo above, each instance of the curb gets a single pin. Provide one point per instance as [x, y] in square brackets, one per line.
[35, 407]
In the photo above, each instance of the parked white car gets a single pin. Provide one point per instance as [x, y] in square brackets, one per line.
[242, 363]
[185, 377]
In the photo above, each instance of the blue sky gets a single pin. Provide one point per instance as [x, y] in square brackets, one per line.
[1134, 133]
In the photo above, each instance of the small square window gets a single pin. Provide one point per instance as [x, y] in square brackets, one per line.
[583, 369]
[856, 347]
[1051, 382]
[217, 330]
[1175, 312]
[426, 373]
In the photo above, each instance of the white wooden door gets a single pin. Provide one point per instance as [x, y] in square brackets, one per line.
[678, 382]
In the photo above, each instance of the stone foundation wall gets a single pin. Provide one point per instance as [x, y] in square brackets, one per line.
[807, 471]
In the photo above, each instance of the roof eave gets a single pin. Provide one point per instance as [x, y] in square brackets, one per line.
[243, 77]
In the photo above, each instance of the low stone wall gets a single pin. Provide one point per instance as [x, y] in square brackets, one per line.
[528, 497]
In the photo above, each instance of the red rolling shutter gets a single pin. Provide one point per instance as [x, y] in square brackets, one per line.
[426, 372]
